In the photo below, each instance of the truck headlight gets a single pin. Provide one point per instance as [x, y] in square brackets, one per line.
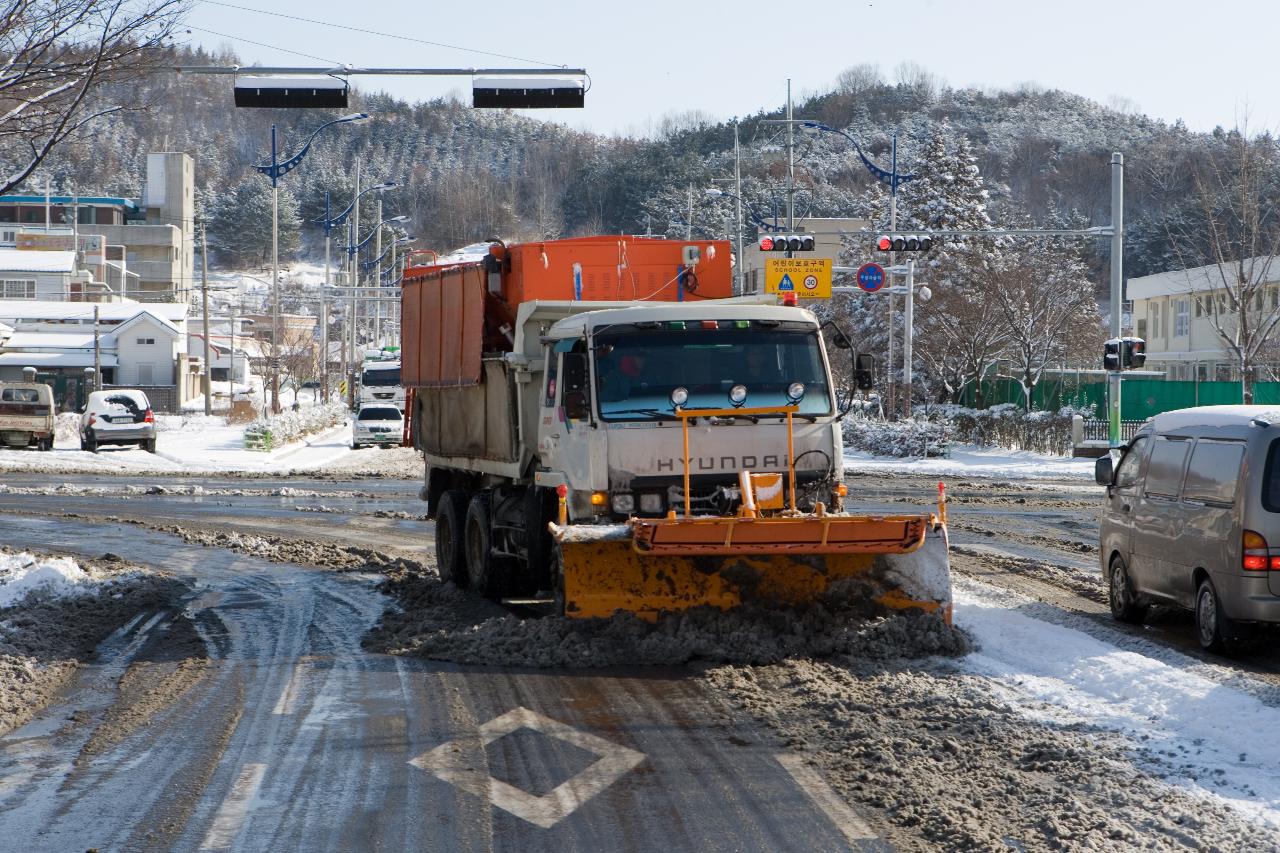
[624, 503]
[795, 392]
[651, 502]
[738, 394]
[679, 396]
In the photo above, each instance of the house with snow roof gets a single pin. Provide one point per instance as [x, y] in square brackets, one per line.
[135, 345]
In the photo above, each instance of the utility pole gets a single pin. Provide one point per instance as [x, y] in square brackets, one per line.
[275, 282]
[204, 298]
[791, 165]
[324, 308]
[738, 282]
[1117, 272]
[907, 335]
[377, 278]
[231, 385]
[688, 225]
[893, 228]
[354, 280]
[97, 350]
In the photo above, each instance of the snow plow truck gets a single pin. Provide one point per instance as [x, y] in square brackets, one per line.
[607, 428]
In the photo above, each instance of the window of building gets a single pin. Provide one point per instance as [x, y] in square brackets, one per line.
[1202, 371]
[1155, 319]
[1182, 319]
[1275, 298]
[19, 289]
[1199, 307]
[142, 342]
[1142, 329]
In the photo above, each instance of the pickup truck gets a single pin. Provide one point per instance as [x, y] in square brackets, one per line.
[26, 415]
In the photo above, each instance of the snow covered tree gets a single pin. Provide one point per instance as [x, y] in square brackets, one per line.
[240, 223]
[1047, 307]
[56, 59]
[1235, 232]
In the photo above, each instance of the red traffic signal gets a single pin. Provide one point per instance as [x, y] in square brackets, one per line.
[904, 243]
[787, 243]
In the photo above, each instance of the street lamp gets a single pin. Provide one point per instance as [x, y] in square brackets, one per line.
[275, 170]
[353, 252]
[893, 178]
[329, 223]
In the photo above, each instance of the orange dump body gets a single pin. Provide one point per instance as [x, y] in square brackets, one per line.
[454, 313]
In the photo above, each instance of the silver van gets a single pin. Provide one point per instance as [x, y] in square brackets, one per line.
[1192, 520]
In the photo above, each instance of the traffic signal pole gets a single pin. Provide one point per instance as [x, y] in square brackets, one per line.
[1117, 270]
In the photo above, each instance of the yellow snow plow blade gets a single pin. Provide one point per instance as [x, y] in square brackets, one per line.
[655, 565]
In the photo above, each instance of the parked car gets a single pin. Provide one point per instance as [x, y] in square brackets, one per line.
[1192, 520]
[120, 416]
[380, 425]
[26, 415]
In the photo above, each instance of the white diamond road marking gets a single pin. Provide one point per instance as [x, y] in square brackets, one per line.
[446, 762]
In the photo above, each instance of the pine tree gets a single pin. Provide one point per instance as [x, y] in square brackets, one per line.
[240, 223]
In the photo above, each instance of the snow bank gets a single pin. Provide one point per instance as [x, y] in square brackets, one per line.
[970, 461]
[51, 577]
[1203, 735]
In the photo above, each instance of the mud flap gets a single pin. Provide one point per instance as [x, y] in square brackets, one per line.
[605, 573]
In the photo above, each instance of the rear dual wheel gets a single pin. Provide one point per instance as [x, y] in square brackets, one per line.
[487, 573]
[451, 517]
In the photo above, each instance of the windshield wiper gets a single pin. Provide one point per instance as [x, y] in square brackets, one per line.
[655, 414]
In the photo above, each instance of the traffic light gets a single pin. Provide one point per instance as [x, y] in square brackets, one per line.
[290, 92]
[1133, 353]
[904, 242]
[1111, 354]
[787, 243]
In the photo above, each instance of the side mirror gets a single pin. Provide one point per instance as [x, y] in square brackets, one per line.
[575, 405]
[1102, 471]
[864, 371]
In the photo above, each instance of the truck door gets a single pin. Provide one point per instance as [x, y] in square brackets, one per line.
[566, 410]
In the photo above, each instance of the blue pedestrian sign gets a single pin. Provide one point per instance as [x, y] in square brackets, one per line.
[786, 284]
[871, 277]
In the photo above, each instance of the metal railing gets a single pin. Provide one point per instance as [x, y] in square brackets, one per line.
[1097, 430]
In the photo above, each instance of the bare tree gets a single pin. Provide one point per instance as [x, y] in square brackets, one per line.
[859, 78]
[56, 59]
[299, 355]
[962, 335]
[1234, 234]
[1047, 307]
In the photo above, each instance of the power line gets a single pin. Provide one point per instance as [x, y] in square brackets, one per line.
[379, 34]
[261, 44]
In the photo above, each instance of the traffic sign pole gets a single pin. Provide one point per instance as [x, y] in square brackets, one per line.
[909, 321]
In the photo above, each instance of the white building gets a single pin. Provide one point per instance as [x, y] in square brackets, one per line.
[1174, 312]
[36, 275]
[134, 344]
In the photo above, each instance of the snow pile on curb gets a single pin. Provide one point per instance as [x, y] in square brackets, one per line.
[289, 427]
[50, 577]
[66, 427]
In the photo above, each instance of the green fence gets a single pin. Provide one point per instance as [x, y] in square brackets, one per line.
[1140, 398]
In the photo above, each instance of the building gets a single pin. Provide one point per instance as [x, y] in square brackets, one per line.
[1173, 312]
[152, 238]
[135, 345]
[46, 275]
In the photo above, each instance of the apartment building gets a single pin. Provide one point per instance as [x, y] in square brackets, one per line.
[147, 243]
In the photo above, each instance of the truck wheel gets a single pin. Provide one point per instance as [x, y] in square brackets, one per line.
[450, 555]
[539, 509]
[489, 575]
[47, 444]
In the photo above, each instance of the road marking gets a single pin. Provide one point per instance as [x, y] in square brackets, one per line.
[447, 762]
[234, 809]
[855, 829]
[288, 700]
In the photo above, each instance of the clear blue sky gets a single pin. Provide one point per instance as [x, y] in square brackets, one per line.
[1203, 63]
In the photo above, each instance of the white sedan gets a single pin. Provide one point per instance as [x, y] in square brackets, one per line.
[377, 425]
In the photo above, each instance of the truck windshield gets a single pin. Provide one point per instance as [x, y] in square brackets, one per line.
[637, 371]
[380, 376]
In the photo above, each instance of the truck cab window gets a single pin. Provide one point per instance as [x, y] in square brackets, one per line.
[553, 365]
[574, 376]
